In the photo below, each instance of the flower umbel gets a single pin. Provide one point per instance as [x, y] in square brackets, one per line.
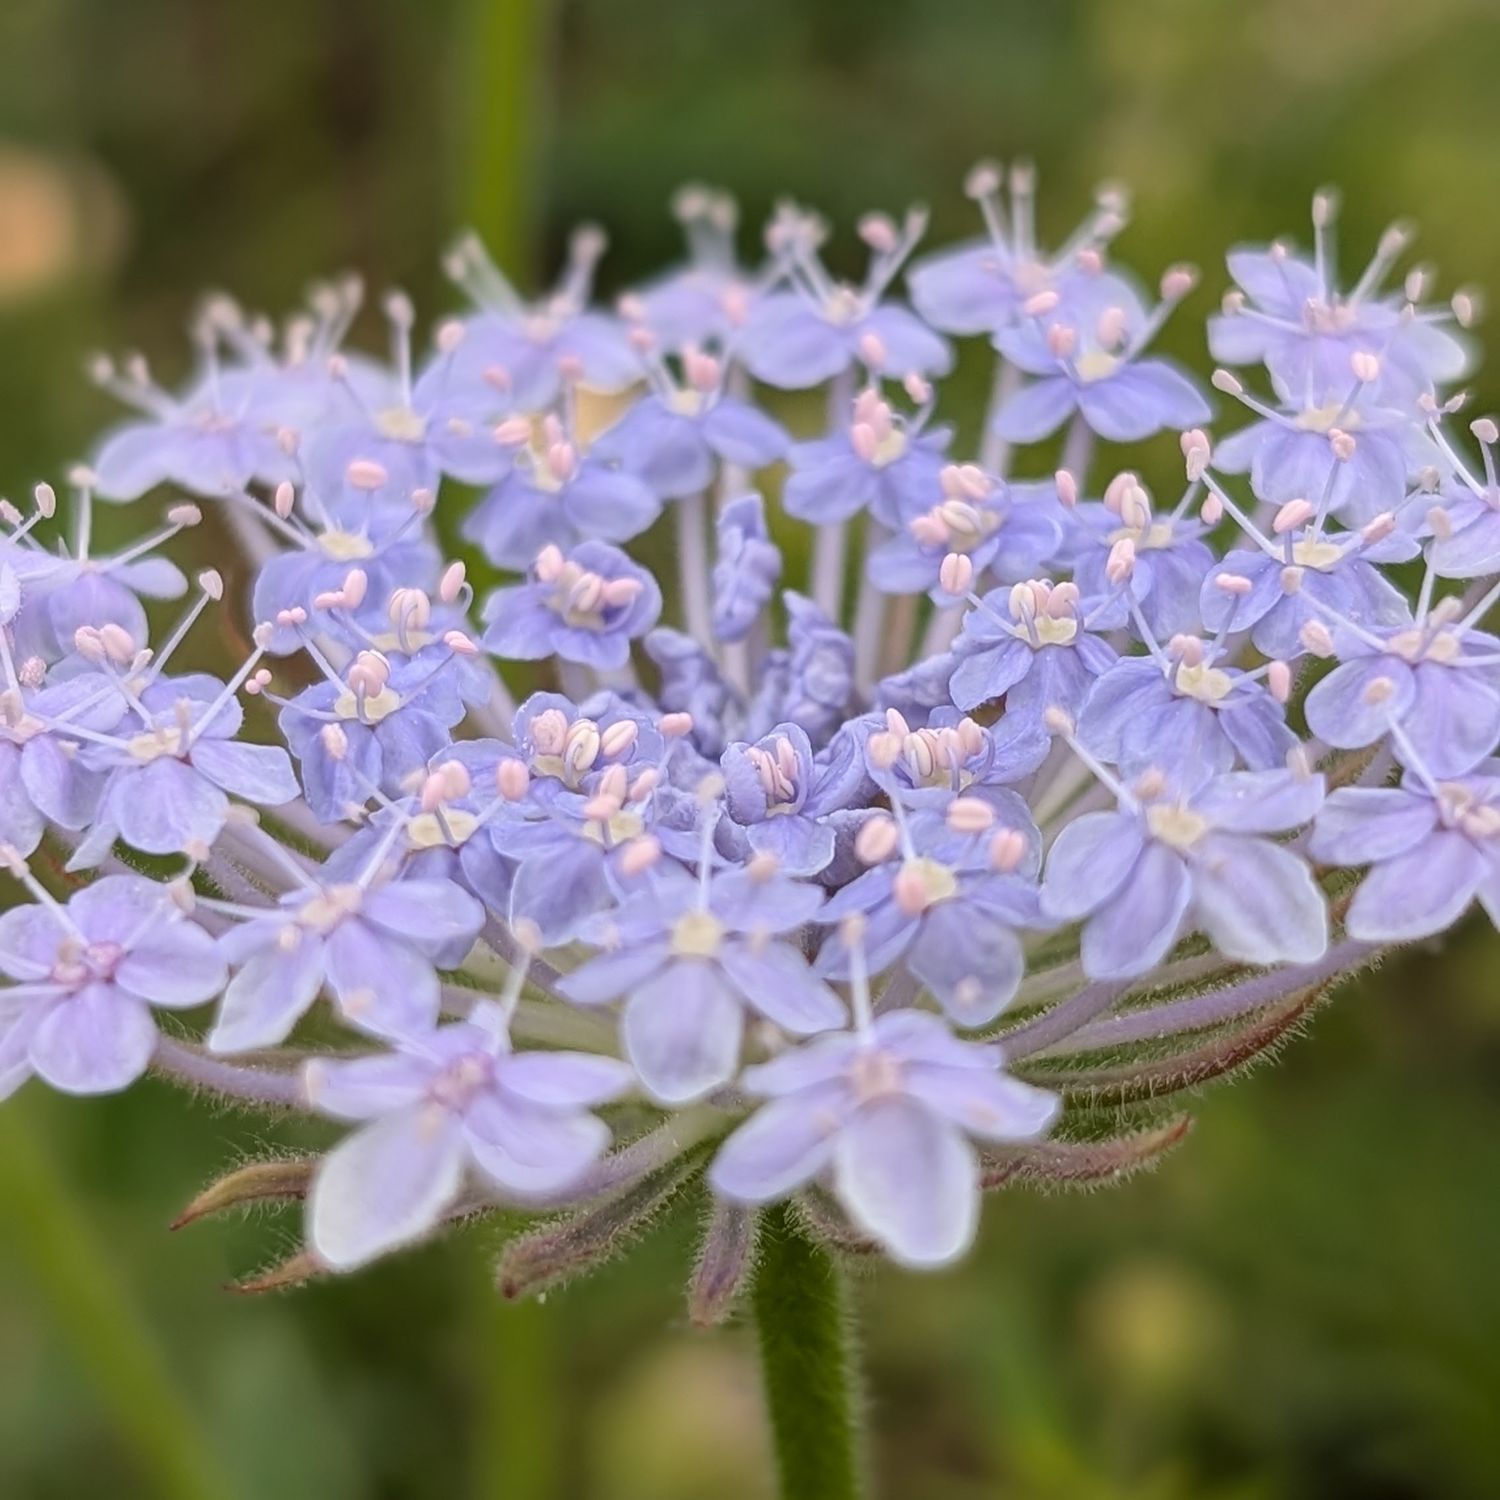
[830, 904]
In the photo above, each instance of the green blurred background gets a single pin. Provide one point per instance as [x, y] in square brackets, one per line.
[1301, 1303]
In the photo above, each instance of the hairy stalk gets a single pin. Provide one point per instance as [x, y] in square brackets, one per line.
[185, 1064]
[1214, 1007]
[802, 1315]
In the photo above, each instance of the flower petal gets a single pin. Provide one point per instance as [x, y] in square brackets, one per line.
[98, 1041]
[776, 980]
[983, 1101]
[1259, 902]
[1136, 927]
[682, 1031]
[782, 1146]
[908, 1177]
[385, 1186]
[268, 996]
[564, 1079]
[178, 966]
[532, 1151]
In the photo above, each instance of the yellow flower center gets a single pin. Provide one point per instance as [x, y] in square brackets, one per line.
[1174, 824]
[697, 934]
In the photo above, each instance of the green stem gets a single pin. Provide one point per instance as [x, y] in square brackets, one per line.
[801, 1309]
[76, 1277]
[501, 123]
[518, 1438]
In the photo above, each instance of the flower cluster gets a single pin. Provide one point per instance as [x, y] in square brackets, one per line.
[863, 886]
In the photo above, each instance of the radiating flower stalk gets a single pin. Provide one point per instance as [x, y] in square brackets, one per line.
[833, 902]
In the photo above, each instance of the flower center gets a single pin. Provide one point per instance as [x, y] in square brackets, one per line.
[1328, 317]
[323, 912]
[620, 829]
[874, 1075]
[1323, 418]
[370, 709]
[153, 744]
[401, 424]
[697, 934]
[426, 831]
[1460, 809]
[456, 1086]
[346, 546]
[78, 965]
[922, 882]
[1205, 683]
[889, 448]
[1153, 537]
[1417, 645]
[1316, 552]
[1175, 824]
[1097, 364]
[842, 305]
[1051, 630]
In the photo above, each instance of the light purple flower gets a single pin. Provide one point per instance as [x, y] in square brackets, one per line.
[885, 1116]
[1313, 574]
[46, 598]
[746, 570]
[880, 464]
[1005, 538]
[451, 1104]
[981, 286]
[1466, 538]
[1181, 711]
[1437, 682]
[779, 791]
[377, 947]
[531, 351]
[1290, 314]
[1169, 560]
[384, 718]
[948, 904]
[1178, 858]
[1028, 645]
[43, 779]
[174, 763]
[1086, 357]
[555, 497]
[210, 441]
[693, 304]
[1432, 847]
[688, 957]
[586, 607]
[951, 755]
[84, 978]
[1341, 449]
[676, 440]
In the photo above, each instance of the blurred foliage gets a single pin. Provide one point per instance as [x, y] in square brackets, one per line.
[1298, 1304]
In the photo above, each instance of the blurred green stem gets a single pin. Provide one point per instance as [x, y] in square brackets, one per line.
[501, 56]
[518, 1441]
[502, 115]
[807, 1359]
[77, 1280]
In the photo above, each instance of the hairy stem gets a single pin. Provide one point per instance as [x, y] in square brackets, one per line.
[185, 1063]
[801, 1312]
[1213, 1007]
